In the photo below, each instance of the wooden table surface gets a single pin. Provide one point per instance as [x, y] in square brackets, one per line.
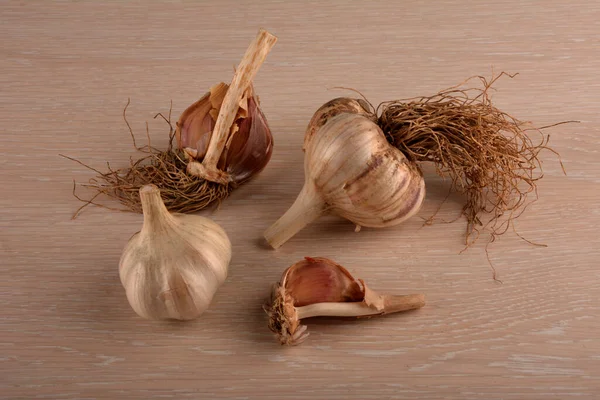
[67, 331]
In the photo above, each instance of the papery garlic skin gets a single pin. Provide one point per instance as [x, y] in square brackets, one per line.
[250, 143]
[195, 125]
[333, 108]
[249, 150]
[359, 175]
[172, 268]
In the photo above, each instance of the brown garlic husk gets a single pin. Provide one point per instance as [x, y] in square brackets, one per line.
[319, 287]
[225, 135]
[250, 141]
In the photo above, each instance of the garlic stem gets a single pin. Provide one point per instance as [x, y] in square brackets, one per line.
[392, 304]
[308, 207]
[244, 74]
[398, 303]
[154, 209]
[354, 309]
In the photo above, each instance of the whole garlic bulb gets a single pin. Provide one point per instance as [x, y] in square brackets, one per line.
[353, 171]
[225, 134]
[172, 268]
[360, 176]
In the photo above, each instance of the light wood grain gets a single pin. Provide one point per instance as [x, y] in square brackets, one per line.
[67, 330]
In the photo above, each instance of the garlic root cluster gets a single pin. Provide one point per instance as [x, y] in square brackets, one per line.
[361, 163]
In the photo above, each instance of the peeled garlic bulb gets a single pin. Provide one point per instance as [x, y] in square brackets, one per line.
[172, 268]
[351, 170]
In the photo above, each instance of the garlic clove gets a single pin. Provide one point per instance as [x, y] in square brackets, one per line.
[172, 268]
[196, 123]
[320, 287]
[318, 280]
[251, 147]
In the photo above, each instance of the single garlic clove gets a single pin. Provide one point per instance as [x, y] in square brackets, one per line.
[196, 123]
[319, 280]
[320, 287]
[172, 268]
[251, 147]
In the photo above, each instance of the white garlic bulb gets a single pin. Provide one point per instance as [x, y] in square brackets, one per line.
[360, 176]
[172, 268]
[351, 170]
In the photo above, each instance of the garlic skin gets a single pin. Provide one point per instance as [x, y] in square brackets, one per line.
[172, 268]
[331, 109]
[195, 125]
[352, 171]
[249, 151]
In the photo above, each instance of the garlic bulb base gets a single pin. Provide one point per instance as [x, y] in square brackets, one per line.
[210, 174]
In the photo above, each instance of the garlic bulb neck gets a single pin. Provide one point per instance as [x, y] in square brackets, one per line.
[308, 207]
[156, 215]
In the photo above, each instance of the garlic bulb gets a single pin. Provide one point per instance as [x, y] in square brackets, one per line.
[361, 161]
[250, 144]
[172, 268]
[351, 170]
[224, 134]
